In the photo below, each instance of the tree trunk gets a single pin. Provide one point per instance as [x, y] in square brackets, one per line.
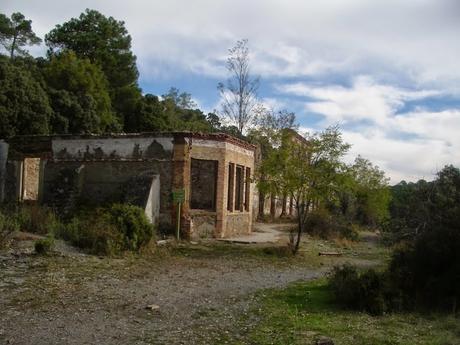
[13, 47]
[299, 228]
[302, 213]
[283, 208]
[261, 214]
[272, 206]
[291, 205]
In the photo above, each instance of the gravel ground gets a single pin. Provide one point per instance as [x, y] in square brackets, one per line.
[73, 298]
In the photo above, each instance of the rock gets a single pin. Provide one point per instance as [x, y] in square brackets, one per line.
[152, 307]
[324, 341]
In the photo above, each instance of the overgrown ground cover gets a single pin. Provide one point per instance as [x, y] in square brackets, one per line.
[201, 290]
[305, 311]
[207, 293]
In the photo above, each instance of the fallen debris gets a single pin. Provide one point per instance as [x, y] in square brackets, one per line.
[324, 341]
[163, 242]
[152, 307]
[329, 254]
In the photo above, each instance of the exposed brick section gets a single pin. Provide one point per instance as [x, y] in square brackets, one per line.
[105, 165]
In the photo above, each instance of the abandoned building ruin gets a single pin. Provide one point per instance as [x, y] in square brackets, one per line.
[211, 174]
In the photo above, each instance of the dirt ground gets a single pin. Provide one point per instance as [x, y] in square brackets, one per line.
[189, 294]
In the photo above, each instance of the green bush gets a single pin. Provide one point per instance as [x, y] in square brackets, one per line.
[8, 225]
[365, 292]
[109, 231]
[45, 245]
[32, 218]
[326, 225]
[344, 282]
[132, 222]
[38, 219]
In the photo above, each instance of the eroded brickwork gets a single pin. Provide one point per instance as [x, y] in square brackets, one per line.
[31, 178]
[120, 168]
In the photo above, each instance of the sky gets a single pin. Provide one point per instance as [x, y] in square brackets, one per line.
[386, 71]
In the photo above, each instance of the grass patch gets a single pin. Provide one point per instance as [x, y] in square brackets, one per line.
[302, 312]
[279, 254]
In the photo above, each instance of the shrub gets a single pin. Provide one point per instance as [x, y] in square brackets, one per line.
[109, 231]
[344, 282]
[427, 272]
[37, 219]
[325, 225]
[8, 225]
[371, 290]
[45, 245]
[94, 232]
[32, 218]
[132, 222]
[365, 292]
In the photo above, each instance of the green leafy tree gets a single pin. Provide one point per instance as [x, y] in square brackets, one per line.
[427, 269]
[372, 195]
[79, 96]
[16, 33]
[182, 100]
[214, 121]
[106, 43]
[149, 117]
[306, 168]
[410, 210]
[268, 136]
[24, 105]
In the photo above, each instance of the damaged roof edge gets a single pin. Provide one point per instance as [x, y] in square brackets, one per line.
[197, 135]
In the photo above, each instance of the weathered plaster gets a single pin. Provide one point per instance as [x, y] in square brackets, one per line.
[3, 160]
[112, 148]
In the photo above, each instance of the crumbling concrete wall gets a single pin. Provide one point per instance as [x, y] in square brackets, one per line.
[152, 206]
[3, 160]
[105, 170]
[118, 148]
[203, 224]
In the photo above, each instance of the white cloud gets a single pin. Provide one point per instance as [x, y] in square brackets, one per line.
[416, 38]
[401, 159]
[364, 100]
[410, 145]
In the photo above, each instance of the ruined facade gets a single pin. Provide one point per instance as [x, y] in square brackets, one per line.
[212, 172]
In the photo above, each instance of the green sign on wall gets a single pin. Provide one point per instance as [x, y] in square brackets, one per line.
[178, 196]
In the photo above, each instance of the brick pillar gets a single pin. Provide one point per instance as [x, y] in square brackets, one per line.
[221, 201]
[181, 180]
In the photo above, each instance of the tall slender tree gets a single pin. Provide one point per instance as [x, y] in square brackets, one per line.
[16, 33]
[239, 92]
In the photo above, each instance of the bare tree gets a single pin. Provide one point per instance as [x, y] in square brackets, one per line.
[239, 92]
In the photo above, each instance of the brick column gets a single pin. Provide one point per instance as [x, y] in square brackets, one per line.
[221, 200]
[181, 180]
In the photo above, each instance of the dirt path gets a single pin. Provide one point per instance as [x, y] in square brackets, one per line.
[81, 299]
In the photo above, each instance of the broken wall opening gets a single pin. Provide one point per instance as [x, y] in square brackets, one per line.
[239, 188]
[30, 179]
[203, 184]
